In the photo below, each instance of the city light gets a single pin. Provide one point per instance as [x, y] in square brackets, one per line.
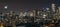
[25, 14]
[29, 13]
[1, 25]
[59, 9]
[53, 7]
[46, 26]
[44, 16]
[5, 7]
[47, 8]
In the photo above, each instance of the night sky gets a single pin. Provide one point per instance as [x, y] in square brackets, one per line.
[27, 4]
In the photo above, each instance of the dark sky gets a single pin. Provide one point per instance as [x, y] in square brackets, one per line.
[27, 4]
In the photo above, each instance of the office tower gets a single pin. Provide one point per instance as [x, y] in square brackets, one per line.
[31, 13]
[34, 15]
[44, 15]
[2, 16]
[25, 14]
[34, 12]
[2, 24]
[21, 14]
[56, 14]
[53, 7]
[11, 13]
[38, 13]
[59, 9]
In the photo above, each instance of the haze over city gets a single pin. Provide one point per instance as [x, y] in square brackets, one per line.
[27, 4]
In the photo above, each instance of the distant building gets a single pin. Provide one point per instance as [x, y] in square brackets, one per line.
[53, 7]
[25, 14]
[21, 14]
[38, 13]
[34, 12]
[59, 9]
[31, 13]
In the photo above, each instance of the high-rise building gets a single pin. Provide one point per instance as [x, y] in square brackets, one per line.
[38, 13]
[21, 14]
[31, 13]
[59, 9]
[25, 14]
[34, 12]
[53, 7]
[11, 12]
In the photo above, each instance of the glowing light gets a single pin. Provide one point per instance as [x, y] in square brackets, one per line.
[47, 8]
[31, 14]
[1, 26]
[44, 16]
[25, 14]
[5, 7]
[53, 7]
[46, 26]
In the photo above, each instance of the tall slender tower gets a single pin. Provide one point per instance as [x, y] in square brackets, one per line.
[59, 9]
[53, 7]
[34, 12]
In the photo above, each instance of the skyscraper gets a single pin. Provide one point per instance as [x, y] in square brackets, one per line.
[21, 14]
[30, 13]
[59, 9]
[34, 12]
[53, 7]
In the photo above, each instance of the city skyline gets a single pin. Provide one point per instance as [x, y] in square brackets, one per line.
[30, 13]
